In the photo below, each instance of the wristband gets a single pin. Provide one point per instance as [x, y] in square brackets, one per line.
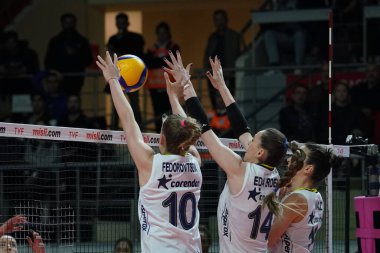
[239, 124]
[196, 111]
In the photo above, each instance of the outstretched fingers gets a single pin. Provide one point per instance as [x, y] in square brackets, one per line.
[167, 80]
[115, 59]
[179, 58]
[173, 59]
[168, 70]
[108, 58]
[100, 62]
[188, 67]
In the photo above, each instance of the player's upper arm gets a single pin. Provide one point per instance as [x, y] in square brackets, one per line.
[228, 160]
[295, 208]
[142, 154]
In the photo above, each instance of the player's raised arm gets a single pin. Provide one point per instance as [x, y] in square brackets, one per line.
[141, 153]
[238, 122]
[172, 89]
[228, 160]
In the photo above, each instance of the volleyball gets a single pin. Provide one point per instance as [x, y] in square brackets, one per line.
[133, 72]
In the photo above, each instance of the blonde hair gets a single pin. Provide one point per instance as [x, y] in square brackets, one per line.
[296, 163]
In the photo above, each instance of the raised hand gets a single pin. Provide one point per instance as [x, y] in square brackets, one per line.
[36, 242]
[13, 224]
[175, 68]
[216, 77]
[109, 68]
[174, 89]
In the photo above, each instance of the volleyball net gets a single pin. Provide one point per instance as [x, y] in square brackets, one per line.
[79, 188]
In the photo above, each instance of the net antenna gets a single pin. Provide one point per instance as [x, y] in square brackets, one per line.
[329, 214]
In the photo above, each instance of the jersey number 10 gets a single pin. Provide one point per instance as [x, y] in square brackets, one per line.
[172, 202]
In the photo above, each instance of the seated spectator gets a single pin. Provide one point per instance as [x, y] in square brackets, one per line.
[8, 243]
[286, 36]
[76, 151]
[39, 111]
[123, 245]
[40, 151]
[296, 120]
[219, 121]
[319, 94]
[366, 95]
[205, 238]
[75, 116]
[16, 61]
[347, 119]
[56, 99]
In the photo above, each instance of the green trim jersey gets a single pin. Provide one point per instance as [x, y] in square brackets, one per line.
[243, 224]
[300, 236]
[168, 206]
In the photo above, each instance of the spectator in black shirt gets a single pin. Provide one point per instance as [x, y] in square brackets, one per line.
[296, 120]
[69, 52]
[227, 44]
[16, 61]
[126, 42]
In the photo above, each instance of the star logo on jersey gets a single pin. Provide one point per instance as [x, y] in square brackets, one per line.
[253, 194]
[311, 218]
[163, 181]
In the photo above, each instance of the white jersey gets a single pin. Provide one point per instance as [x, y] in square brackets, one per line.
[300, 236]
[243, 225]
[168, 206]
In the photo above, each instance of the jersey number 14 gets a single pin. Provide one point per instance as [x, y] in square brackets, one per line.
[265, 226]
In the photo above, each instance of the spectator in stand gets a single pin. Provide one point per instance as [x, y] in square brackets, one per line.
[55, 98]
[346, 118]
[75, 116]
[227, 44]
[296, 120]
[71, 151]
[8, 243]
[205, 238]
[123, 245]
[218, 118]
[319, 93]
[366, 95]
[156, 81]
[16, 61]
[39, 111]
[286, 36]
[126, 42]
[70, 53]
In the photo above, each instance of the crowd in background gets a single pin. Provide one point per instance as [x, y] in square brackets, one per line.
[55, 89]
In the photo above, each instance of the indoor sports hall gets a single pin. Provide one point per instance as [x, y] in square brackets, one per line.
[310, 69]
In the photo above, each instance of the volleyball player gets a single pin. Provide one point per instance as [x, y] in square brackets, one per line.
[170, 181]
[295, 230]
[243, 222]
[8, 243]
[13, 224]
